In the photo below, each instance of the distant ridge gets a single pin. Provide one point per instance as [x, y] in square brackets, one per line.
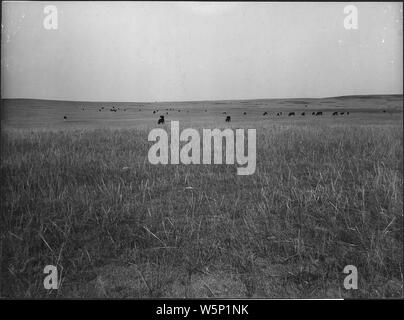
[370, 96]
[364, 96]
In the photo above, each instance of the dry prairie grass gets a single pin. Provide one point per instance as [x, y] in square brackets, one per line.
[89, 202]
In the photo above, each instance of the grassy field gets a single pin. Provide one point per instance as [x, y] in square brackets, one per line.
[82, 195]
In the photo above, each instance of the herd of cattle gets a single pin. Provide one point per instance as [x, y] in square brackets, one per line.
[228, 118]
[291, 114]
[161, 120]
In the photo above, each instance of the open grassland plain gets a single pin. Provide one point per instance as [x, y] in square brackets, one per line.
[81, 195]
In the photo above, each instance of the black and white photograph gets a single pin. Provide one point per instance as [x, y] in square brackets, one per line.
[201, 150]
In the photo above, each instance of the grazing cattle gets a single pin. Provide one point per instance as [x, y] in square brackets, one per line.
[313, 113]
[265, 113]
[278, 114]
[228, 119]
[161, 120]
[335, 113]
[64, 118]
[319, 113]
[224, 112]
[347, 112]
[303, 114]
[384, 111]
[341, 113]
[244, 113]
[291, 114]
[154, 111]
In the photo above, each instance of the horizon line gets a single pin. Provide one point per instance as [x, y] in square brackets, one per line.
[178, 101]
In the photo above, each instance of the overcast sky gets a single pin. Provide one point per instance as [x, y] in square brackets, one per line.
[109, 51]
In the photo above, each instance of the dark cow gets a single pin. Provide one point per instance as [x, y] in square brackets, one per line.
[303, 113]
[335, 113]
[228, 119]
[384, 111]
[291, 114]
[224, 112]
[64, 118]
[265, 113]
[313, 113]
[244, 113]
[161, 120]
[347, 112]
[278, 114]
[341, 113]
[154, 111]
[319, 113]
